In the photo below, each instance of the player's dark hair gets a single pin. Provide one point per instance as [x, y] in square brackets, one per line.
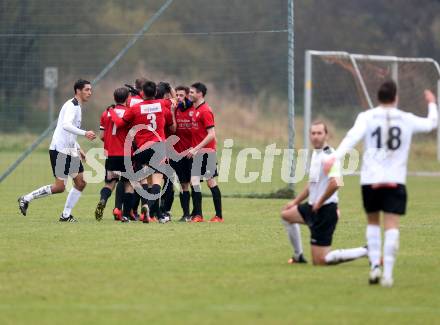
[162, 89]
[184, 88]
[139, 82]
[149, 89]
[120, 95]
[80, 84]
[201, 88]
[387, 92]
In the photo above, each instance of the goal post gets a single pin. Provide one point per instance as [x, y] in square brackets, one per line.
[336, 80]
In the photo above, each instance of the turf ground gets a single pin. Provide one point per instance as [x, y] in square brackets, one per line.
[236, 272]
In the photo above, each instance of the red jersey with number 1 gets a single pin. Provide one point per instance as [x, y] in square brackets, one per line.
[114, 137]
[202, 120]
[152, 115]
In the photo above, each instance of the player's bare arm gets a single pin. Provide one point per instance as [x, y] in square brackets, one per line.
[301, 197]
[332, 187]
[173, 126]
[430, 97]
[90, 135]
[82, 155]
[209, 137]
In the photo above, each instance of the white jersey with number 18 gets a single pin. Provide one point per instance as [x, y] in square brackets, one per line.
[387, 134]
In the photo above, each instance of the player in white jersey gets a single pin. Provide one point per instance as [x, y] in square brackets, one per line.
[320, 212]
[66, 154]
[386, 132]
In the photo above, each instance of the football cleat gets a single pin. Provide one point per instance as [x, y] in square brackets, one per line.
[375, 275]
[145, 214]
[297, 260]
[216, 219]
[70, 218]
[167, 214]
[152, 219]
[23, 205]
[134, 216]
[185, 219]
[164, 219]
[386, 282]
[99, 211]
[125, 219]
[117, 214]
[197, 218]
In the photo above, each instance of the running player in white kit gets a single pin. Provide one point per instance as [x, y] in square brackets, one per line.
[66, 154]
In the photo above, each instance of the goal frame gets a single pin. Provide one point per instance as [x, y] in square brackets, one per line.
[308, 82]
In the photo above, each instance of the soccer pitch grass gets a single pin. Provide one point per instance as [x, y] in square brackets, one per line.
[236, 272]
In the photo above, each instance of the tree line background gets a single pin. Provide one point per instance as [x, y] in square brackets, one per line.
[81, 37]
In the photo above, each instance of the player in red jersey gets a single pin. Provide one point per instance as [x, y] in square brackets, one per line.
[164, 90]
[203, 152]
[135, 98]
[148, 121]
[114, 139]
[182, 167]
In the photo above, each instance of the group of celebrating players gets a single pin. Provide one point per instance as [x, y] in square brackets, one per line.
[152, 133]
[154, 113]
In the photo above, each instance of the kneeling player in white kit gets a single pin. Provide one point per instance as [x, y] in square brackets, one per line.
[65, 154]
[320, 212]
[386, 132]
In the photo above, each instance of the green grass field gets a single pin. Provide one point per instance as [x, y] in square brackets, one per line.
[236, 272]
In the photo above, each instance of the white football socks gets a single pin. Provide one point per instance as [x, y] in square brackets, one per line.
[345, 255]
[39, 193]
[71, 200]
[374, 243]
[294, 233]
[390, 248]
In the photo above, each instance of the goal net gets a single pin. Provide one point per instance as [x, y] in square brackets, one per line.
[237, 48]
[339, 85]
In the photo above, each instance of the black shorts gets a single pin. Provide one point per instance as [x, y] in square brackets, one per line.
[149, 161]
[205, 165]
[182, 169]
[114, 167]
[386, 199]
[64, 165]
[322, 224]
[153, 156]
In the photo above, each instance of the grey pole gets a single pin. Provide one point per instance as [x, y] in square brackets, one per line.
[291, 81]
[51, 105]
[307, 98]
[395, 71]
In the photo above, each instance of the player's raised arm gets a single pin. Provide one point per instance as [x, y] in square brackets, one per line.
[350, 140]
[429, 123]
